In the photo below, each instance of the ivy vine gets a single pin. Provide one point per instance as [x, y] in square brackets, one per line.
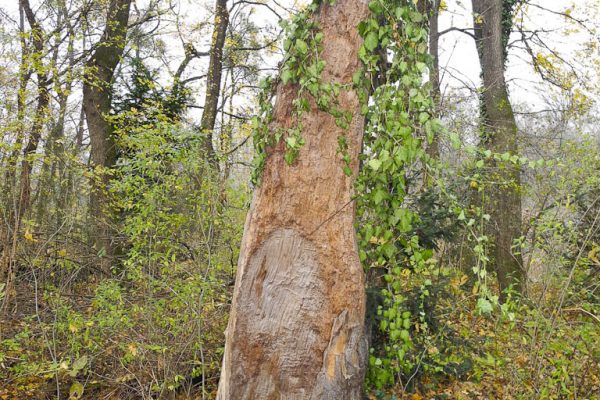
[302, 66]
[400, 117]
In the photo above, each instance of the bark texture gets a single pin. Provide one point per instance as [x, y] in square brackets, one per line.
[213, 79]
[99, 71]
[296, 329]
[500, 134]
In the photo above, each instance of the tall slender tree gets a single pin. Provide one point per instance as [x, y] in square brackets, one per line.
[99, 72]
[213, 79]
[434, 70]
[296, 328]
[492, 22]
[23, 199]
[43, 101]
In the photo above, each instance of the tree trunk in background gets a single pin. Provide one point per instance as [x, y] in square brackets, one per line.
[434, 71]
[24, 76]
[49, 187]
[296, 328]
[99, 71]
[43, 100]
[500, 134]
[213, 80]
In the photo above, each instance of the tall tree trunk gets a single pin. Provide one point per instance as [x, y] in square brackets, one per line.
[48, 189]
[296, 329]
[213, 79]
[35, 133]
[500, 134]
[99, 71]
[24, 76]
[43, 100]
[434, 71]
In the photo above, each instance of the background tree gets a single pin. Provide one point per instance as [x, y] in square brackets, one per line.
[213, 79]
[493, 21]
[97, 93]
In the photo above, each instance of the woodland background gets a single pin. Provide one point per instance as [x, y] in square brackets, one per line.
[129, 142]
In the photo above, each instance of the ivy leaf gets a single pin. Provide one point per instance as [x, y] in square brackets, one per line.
[375, 164]
[375, 7]
[356, 77]
[291, 141]
[78, 365]
[379, 196]
[287, 43]
[405, 221]
[301, 46]
[286, 76]
[416, 17]
[404, 335]
[289, 157]
[389, 250]
[371, 41]
[484, 306]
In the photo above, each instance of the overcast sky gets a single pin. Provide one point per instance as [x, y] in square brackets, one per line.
[457, 50]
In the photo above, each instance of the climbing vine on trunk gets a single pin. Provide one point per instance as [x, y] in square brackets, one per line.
[399, 112]
[400, 117]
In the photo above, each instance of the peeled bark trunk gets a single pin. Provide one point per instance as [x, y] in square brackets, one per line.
[296, 329]
[213, 79]
[500, 134]
[97, 87]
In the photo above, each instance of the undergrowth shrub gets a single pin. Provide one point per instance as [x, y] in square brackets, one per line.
[154, 327]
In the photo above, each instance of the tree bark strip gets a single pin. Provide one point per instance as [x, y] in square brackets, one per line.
[296, 329]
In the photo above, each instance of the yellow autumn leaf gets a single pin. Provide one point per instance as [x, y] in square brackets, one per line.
[29, 236]
[132, 349]
[76, 391]
[593, 254]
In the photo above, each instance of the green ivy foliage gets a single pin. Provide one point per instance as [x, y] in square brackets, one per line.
[302, 67]
[400, 118]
